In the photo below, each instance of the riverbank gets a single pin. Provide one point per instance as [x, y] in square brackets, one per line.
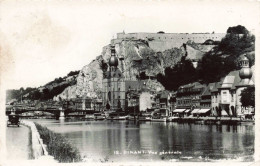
[38, 149]
[211, 120]
[194, 120]
[58, 146]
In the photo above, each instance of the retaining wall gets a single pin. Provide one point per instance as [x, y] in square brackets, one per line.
[39, 149]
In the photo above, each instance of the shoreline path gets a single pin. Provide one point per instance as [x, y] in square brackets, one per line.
[18, 144]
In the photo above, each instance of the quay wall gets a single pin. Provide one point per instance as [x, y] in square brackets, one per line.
[163, 41]
[212, 120]
[39, 149]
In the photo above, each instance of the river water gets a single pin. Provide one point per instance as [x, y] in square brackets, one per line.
[117, 141]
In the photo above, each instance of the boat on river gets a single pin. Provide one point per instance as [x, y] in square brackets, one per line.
[144, 118]
[159, 115]
[89, 117]
[173, 118]
[161, 119]
[117, 116]
[132, 117]
[99, 116]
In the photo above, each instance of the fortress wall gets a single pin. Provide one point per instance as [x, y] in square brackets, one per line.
[173, 36]
[116, 41]
[160, 46]
[164, 41]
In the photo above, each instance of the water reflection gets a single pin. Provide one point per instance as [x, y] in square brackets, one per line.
[100, 139]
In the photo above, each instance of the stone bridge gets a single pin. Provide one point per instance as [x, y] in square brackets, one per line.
[58, 112]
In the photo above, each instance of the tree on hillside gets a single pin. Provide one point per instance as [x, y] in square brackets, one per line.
[72, 73]
[224, 57]
[35, 95]
[237, 30]
[237, 41]
[234, 44]
[180, 74]
[211, 68]
[103, 66]
[45, 94]
[248, 97]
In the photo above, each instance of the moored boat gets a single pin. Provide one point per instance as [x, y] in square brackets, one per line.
[98, 116]
[117, 116]
[132, 117]
[144, 118]
[89, 117]
[173, 118]
[159, 119]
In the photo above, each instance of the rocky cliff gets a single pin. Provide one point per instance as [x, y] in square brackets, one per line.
[89, 82]
[135, 58]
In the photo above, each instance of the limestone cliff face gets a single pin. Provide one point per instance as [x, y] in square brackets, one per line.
[89, 83]
[135, 57]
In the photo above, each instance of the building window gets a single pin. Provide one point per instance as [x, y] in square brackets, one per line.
[109, 96]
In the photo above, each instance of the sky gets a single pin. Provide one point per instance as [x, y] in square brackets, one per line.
[41, 40]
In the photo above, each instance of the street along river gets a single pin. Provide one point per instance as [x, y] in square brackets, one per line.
[115, 141]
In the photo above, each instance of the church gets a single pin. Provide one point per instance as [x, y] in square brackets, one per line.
[115, 87]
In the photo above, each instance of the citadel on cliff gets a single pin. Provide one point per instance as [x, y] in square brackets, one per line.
[163, 41]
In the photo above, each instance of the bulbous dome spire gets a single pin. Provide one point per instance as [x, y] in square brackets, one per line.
[245, 72]
[113, 61]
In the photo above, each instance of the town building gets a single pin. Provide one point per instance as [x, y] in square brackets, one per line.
[161, 100]
[145, 100]
[188, 98]
[205, 101]
[226, 94]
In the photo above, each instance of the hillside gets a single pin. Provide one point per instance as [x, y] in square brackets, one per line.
[213, 64]
[45, 92]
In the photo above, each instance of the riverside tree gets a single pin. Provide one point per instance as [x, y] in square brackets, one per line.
[248, 97]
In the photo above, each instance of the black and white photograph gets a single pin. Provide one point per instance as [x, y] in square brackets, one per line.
[110, 82]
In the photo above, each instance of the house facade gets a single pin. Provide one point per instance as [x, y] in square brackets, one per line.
[226, 94]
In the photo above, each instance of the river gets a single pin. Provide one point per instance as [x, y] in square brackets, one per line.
[116, 141]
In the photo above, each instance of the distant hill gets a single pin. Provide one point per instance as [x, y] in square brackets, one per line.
[46, 92]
